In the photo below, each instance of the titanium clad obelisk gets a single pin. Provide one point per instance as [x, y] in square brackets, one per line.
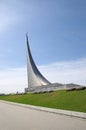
[35, 78]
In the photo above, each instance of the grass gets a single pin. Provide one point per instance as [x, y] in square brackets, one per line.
[74, 100]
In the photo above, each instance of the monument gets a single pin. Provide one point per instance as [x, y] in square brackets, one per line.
[35, 78]
[37, 82]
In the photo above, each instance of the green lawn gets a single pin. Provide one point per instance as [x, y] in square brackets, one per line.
[74, 100]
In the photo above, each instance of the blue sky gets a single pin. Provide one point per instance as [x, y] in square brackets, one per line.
[57, 36]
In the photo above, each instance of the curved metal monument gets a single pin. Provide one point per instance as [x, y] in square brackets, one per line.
[37, 82]
[35, 78]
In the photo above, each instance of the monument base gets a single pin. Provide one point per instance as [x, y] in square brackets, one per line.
[53, 87]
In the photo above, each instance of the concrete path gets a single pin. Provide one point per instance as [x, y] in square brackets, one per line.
[14, 117]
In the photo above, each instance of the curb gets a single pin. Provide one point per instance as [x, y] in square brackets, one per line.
[50, 110]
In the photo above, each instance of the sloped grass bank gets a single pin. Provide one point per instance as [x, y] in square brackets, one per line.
[73, 100]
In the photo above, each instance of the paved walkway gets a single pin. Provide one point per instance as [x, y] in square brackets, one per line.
[14, 117]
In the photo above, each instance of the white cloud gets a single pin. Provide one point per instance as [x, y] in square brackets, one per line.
[15, 79]
[66, 72]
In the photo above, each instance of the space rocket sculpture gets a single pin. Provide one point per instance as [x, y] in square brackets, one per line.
[35, 78]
